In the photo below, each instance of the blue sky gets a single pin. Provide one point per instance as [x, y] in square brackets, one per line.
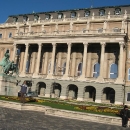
[14, 7]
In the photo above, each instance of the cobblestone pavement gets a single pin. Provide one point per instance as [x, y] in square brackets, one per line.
[28, 120]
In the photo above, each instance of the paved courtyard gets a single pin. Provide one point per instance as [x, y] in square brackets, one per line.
[28, 120]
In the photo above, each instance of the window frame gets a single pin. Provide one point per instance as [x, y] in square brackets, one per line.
[25, 18]
[1, 35]
[73, 16]
[47, 18]
[79, 72]
[128, 74]
[60, 14]
[117, 13]
[36, 17]
[127, 96]
[9, 35]
[15, 19]
[85, 13]
[110, 73]
[103, 12]
[94, 72]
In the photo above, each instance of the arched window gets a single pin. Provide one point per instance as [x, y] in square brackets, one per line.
[79, 69]
[113, 71]
[117, 11]
[129, 74]
[64, 68]
[96, 70]
[10, 35]
[49, 68]
[101, 12]
[87, 13]
[36, 17]
[60, 15]
[73, 14]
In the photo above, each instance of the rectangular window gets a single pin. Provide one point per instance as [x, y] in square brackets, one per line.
[0, 35]
[128, 97]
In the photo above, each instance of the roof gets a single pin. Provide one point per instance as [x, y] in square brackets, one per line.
[58, 11]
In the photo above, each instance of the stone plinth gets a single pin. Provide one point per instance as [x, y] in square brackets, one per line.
[8, 85]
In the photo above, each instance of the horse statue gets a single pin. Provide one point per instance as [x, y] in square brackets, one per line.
[7, 66]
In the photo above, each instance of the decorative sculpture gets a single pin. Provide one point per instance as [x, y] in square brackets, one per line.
[8, 67]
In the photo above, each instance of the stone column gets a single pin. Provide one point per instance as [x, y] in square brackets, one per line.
[25, 59]
[14, 52]
[100, 78]
[67, 62]
[63, 94]
[38, 60]
[120, 68]
[45, 68]
[84, 61]
[50, 75]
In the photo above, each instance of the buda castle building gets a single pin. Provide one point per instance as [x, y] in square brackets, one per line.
[79, 54]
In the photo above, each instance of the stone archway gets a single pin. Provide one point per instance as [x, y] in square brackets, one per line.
[56, 90]
[89, 93]
[41, 87]
[108, 95]
[72, 91]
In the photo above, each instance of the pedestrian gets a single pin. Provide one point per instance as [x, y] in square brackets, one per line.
[125, 115]
[23, 92]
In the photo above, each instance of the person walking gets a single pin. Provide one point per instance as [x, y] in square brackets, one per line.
[125, 115]
[23, 92]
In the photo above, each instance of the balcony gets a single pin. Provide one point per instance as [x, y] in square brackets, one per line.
[69, 32]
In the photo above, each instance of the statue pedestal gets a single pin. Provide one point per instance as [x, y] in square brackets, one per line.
[8, 85]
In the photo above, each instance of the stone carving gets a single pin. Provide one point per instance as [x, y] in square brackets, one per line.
[8, 67]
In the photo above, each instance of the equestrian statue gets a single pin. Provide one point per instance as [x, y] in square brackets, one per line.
[8, 67]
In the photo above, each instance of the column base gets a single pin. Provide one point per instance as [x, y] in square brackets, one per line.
[22, 74]
[80, 99]
[50, 76]
[47, 95]
[35, 75]
[119, 81]
[63, 97]
[82, 78]
[119, 103]
[65, 77]
[100, 79]
[98, 101]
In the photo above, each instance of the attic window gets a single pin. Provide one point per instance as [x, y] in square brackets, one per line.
[25, 18]
[36, 17]
[15, 19]
[73, 14]
[47, 16]
[117, 11]
[87, 13]
[102, 12]
[60, 16]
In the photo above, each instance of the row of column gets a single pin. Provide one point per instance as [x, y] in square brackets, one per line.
[82, 77]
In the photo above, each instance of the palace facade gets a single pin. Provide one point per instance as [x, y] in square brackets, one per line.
[81, 54]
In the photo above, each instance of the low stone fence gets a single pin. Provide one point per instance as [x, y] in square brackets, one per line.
[63, 113]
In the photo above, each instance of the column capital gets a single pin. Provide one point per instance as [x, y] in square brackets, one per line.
[39, 44]
[14, 44]
[69, 43]
[53, 43]
[27, 44]
[103, 44]
[121, 43]
[85, 43]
